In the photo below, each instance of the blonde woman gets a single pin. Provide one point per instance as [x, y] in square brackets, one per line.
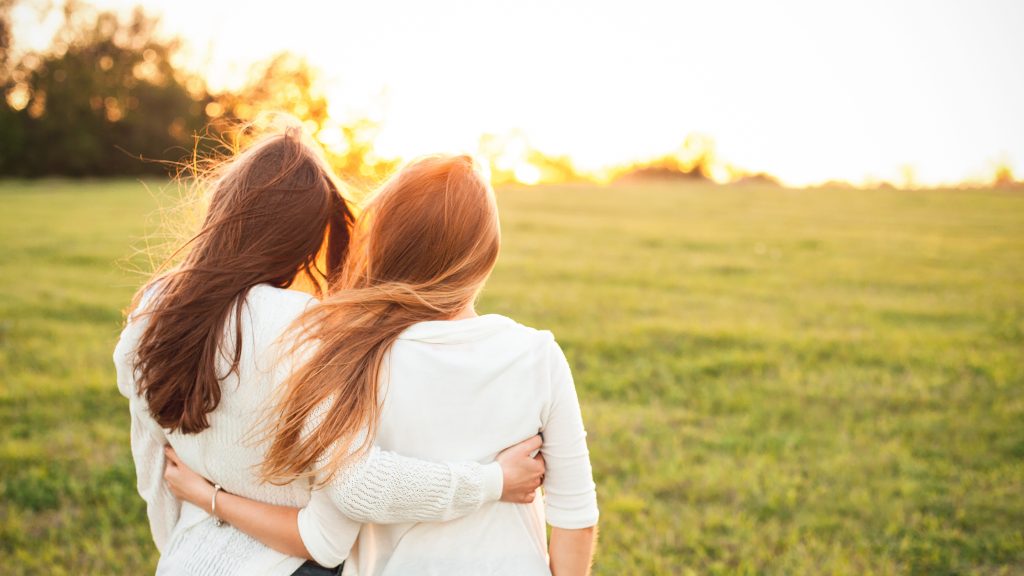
[401, 350]
[197, 362]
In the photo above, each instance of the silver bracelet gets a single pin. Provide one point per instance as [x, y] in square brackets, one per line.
[213, 506]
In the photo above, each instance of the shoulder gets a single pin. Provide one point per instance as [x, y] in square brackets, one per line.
[136, 322]
[270, 302]
[539, 341]
[546, 345]
[547, 355]
[145, 297]
[270, 312]
[551, 361]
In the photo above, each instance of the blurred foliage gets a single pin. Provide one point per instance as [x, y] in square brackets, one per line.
[106, 97]
[287, 84]
[513, 158]
[5, 33]
[696, 158]
[102, 97]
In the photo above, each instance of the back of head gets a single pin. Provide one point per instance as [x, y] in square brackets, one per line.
[272, 207]
[423, 248]
[274, 210]
[434, 228]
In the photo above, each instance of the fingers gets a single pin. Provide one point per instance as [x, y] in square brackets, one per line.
[170, 473]
[538, 466]
[530, 444]
[537, 477]
[523, 468]
[539, 458]
[524, 448]
[522, 497]
[171, 455]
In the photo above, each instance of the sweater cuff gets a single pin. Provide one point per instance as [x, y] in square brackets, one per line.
[494, 482]
[313, 538]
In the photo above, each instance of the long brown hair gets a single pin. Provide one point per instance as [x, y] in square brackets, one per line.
[424, 246]
[273, 209]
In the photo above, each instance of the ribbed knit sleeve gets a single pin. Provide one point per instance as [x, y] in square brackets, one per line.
[388, 488]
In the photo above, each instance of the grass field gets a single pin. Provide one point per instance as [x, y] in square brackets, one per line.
[775, 381]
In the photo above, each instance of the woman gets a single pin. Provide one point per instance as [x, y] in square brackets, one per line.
[400, 349]
[198, 360]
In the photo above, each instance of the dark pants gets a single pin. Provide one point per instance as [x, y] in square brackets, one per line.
[311, 568]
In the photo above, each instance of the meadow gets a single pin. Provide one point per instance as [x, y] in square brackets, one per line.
[775, 381]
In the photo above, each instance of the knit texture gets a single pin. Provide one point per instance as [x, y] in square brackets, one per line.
[381, 487]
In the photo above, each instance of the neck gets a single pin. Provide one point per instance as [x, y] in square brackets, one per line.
[468, 312]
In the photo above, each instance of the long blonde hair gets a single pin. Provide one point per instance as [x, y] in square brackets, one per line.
[422, 249]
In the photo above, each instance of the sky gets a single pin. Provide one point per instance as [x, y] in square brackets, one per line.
[810, 91]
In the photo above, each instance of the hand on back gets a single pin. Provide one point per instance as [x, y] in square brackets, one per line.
[523, 472]
[184, 483]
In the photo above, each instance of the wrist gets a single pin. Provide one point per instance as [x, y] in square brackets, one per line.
[204, 496]
[213, 504]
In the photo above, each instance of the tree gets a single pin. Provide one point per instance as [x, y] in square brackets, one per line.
[106, 99]
[288, 84]
[5, 35]
[103, 99]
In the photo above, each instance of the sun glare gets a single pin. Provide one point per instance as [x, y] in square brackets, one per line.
[526, 173]
[858, 91]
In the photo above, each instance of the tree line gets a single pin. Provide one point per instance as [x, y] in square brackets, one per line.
[105, 98]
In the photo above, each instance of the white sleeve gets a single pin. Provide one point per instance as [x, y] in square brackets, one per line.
[327, 533]
[570, 496]
[386, 488]
[147, 442]
[162, 508]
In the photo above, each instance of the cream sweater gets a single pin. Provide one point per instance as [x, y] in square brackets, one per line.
[384, 487]
[467, 389]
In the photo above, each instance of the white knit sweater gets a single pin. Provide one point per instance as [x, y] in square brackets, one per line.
[384, 487]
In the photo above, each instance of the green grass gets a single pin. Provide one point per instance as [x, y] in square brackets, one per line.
[775, 381]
